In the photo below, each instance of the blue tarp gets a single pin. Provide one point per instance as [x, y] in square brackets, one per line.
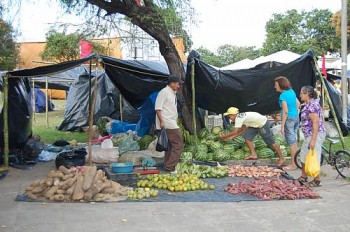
[40, 99]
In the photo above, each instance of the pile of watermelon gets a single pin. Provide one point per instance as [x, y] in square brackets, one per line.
[209, 147]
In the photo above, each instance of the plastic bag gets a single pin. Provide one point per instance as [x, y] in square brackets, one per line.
[128, 144]
[102, 155]
[107, 143]
[312, 165]
[163, 143]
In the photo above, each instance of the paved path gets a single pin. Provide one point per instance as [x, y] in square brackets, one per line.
[330, 213]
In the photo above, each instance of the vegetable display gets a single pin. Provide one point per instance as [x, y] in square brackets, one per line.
[252, 171]
[268, 189]
[83, 183]
[202, 171]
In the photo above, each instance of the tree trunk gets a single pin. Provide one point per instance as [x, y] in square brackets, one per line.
[149, 20]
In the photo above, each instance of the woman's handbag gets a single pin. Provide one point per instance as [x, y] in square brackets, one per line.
[312, 165]
[162, 143]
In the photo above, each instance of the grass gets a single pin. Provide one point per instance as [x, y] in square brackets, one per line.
[50, 134]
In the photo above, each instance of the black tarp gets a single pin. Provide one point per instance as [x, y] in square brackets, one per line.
[136, 80]
[337, 104]
[248, 89]
[76, 113]
[19, 113]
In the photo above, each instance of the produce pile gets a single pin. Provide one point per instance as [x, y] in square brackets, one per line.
[82, 183]
[171, 182]
[202, 171]
[268, 189]
[253, 171]
[211, 148]
[142, 193]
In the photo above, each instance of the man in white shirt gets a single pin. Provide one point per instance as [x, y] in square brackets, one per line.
[166, 111]
[249, 124]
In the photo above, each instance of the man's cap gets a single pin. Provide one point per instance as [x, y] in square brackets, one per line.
[232, 110]
[173, 78]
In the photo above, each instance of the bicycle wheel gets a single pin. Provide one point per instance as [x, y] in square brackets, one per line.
[298, 162]
[342, 163]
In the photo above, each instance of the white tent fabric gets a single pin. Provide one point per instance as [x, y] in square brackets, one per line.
[283, 56]
[243, 64]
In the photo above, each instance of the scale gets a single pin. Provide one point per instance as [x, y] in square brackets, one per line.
[146, 170]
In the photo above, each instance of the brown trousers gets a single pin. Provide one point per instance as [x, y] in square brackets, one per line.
[172, 156]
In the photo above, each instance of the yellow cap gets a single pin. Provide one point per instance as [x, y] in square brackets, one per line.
[232, 110]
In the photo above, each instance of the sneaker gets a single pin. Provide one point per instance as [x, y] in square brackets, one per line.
[174, 172]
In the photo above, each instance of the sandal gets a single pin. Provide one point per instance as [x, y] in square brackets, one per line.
[302, 180]
[313, 183]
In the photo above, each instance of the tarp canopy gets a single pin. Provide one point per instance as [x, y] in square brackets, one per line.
[249, 89]
[136, 80]
[61, 80]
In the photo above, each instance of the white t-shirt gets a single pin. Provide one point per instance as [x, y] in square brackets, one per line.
[167, 103]
[250, 119]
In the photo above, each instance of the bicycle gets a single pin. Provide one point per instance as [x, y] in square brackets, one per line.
[339, 159]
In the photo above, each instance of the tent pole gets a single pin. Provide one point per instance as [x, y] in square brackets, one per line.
[6, 124]
[47, 102]
[206, 118]
[90, 66]
[33, 101]
[330, 104]
[91, 114]
[344, 48]
[121, 107]
[194, 106]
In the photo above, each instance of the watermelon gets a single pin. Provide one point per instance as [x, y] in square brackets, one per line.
[186, 156]
[240, 140]
[145, 141]
[214, 146]
[216, 130]
[201, 156]
[221, 155]
[229, 148]
[203, 133]
[233, 143]
[265, 153]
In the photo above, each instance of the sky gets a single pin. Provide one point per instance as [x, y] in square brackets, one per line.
[219, 22]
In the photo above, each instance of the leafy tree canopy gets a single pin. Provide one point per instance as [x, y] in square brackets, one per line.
[300, 31]
[63, 47]
[336, 20]
[8, 47]
[227, 54]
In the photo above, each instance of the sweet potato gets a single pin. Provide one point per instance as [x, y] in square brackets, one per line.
[31, 195]
[89, 176]
[38, 189]
[71, 189]
[78, 193]
[52, 191]
[56, 181]
[61, 191]
[68, 176]
[54, 174]
[73, 180]
[49, 182]
[57, 197]
[88, 195]
[64, 170]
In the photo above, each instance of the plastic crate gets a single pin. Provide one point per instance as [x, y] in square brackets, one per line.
[125, 179]
[214, 120]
